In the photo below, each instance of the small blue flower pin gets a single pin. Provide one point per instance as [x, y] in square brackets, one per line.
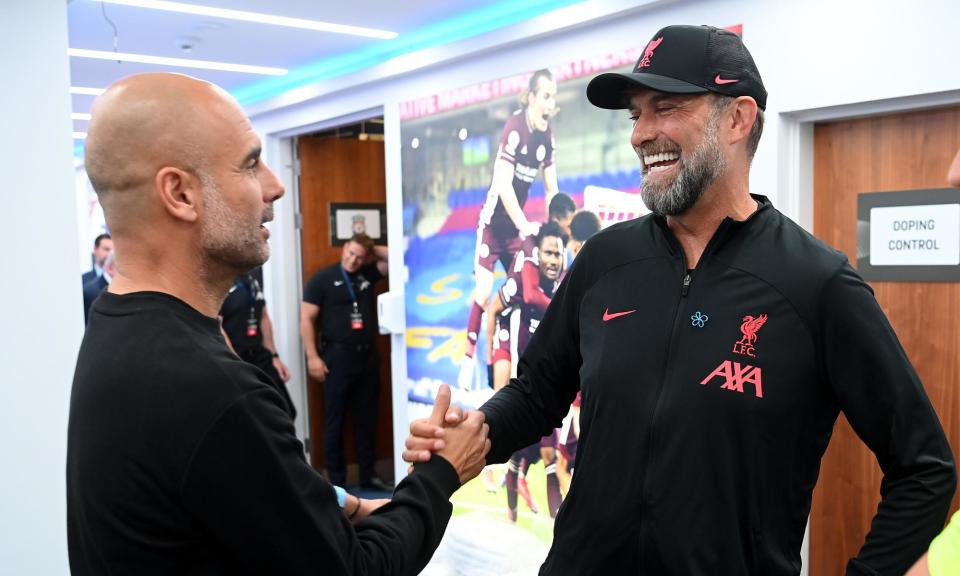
[698, 319]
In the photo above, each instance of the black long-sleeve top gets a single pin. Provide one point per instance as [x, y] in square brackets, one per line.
[182, 460]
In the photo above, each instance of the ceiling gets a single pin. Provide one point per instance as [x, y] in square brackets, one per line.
[308, 55]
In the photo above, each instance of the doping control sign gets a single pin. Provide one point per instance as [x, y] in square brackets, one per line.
[909, 236]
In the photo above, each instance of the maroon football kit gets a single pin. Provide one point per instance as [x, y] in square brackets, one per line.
[527, 151]
[525, 299]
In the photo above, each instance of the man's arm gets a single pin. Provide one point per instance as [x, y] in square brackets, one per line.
[308, 333]
[532, 294]
[535, 402]
[266, 331]
[382, 256]
[493, 312]
[295, 518]
[885, 403]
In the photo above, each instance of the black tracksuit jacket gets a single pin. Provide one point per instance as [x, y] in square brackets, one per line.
[702, 431]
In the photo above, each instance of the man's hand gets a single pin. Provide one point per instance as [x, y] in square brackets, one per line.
[463, 442]
[531, 229]
[427, 434]
[467, 446]
[317, 368]
[281, 369]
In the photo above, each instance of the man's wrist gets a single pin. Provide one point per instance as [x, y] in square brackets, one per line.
[353, 513]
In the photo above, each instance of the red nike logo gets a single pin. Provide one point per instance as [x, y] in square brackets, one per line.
[720, 80]
[607, 316]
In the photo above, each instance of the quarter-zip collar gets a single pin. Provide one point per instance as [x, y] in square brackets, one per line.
[727, 228]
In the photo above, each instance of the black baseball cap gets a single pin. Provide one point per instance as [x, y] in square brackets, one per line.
[684, 60]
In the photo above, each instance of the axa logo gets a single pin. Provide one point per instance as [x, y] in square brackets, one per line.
[648, 53]
[749, 329]
[735, 375]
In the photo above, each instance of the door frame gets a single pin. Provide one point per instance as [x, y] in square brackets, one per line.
[286, 262]
[795, 143]
[795, 168]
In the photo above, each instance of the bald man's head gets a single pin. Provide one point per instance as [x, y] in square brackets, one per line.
[144, 123]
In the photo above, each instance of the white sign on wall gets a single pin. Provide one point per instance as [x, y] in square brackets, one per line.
[909, 236]
[915, 235]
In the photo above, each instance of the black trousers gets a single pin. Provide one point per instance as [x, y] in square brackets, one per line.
[352, 384]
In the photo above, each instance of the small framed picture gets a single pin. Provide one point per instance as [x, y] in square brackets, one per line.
[347, 219]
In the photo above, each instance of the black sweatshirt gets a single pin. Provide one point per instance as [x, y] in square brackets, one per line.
[181, 460]
[709, 398]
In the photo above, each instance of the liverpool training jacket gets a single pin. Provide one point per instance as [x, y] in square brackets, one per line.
[709, 397]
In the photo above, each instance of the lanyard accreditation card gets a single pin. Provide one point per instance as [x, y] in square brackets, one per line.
[356, 319]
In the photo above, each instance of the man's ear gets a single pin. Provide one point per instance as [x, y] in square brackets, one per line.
[743, 113]
[179, 192]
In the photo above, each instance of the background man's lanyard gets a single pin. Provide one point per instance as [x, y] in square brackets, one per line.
[356, 319]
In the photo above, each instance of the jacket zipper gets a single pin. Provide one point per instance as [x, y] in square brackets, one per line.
[668, 373]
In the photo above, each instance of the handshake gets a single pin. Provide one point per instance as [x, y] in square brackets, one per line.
[458, 437]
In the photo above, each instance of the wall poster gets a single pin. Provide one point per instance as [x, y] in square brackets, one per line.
[479, 164]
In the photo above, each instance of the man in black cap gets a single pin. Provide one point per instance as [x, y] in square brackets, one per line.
[715, 343]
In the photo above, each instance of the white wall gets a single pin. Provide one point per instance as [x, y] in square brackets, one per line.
[43, 315]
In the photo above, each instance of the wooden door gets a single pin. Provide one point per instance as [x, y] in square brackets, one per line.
[882, 154]
[341, 170]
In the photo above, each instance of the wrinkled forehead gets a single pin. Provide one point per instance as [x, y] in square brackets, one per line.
[646, 97]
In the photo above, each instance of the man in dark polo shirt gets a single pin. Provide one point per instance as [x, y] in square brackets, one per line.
[338, 324]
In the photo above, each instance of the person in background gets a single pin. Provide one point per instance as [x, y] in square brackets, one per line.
[338, 325]
[102, 246]
[584, 225]
[97, 284]
[248, 331]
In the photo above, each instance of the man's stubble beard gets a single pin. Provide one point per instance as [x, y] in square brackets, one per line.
[227, 242]
[695, 174]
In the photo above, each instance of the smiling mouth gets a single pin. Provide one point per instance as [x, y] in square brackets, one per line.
[655, 163]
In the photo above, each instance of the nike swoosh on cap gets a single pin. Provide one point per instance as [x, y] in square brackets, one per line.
[607, 316]
[720, 80]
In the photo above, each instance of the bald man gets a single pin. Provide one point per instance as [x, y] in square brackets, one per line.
[181, 457]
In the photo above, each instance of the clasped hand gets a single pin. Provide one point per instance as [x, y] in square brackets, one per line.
[457, 436]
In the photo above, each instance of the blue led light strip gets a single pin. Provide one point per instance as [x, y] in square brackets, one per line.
[460, 27]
